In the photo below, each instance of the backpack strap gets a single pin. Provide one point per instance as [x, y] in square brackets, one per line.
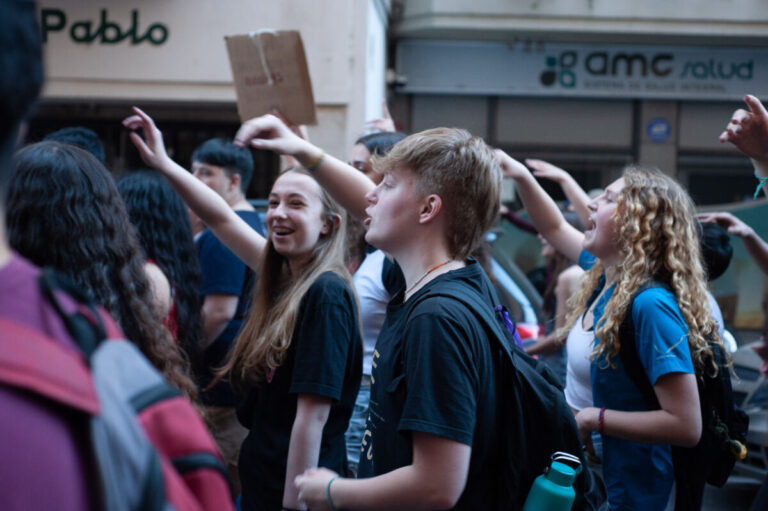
[33, 361]
[628, 349]
[480, 309]
[87, 330]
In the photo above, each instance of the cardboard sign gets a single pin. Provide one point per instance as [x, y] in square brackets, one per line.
[270, 72]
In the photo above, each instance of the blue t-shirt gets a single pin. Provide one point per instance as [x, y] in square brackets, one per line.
[638, 475]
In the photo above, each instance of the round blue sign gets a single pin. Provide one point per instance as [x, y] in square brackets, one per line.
[658, 129]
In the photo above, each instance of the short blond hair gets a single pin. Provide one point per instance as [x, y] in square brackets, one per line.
[462, 170]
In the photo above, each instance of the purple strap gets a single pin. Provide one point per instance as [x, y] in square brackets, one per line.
[509, 324]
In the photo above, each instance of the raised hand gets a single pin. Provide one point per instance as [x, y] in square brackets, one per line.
[748, 130]
[269, 132]
[151, 147]
[728, 222]
[383, 123]
[546, 170]
[510, 167]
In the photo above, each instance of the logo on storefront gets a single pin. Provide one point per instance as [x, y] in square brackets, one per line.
[658, 129]
[105, 31]
[559, 70]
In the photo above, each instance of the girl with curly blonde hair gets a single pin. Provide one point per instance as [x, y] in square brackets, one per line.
[642, 229]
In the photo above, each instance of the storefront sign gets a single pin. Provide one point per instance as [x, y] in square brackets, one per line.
[103, 31]
[664, 72]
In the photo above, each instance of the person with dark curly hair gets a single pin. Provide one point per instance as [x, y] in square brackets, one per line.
[161, 219]
[64, 211]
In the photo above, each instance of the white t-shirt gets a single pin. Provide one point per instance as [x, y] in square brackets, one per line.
[578, 382]
[717, 314]
[373, 298]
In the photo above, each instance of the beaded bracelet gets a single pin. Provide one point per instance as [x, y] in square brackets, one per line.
[760, 184]
[316, 163]
[328, 494]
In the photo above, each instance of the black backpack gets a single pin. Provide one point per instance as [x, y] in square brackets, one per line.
[534, 413]
[724, 424]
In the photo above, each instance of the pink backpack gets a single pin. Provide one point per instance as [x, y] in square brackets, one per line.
[151, 448]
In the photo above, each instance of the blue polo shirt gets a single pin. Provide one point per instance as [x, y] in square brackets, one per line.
[637, 475]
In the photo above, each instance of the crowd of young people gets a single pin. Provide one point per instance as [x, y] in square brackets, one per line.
[423, 430]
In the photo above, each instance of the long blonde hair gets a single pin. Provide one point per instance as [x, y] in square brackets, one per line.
[658, 240]
[263, 341]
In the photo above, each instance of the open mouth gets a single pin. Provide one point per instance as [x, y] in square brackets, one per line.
[367, 222]
[281, 231]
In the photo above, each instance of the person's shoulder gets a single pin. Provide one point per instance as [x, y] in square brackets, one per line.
[655, 301]
[329, 287]
[160, 287]
[371, 268]
[447, 299]
[573, 272]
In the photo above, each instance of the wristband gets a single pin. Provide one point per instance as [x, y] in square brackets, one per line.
[601, 420]
[328, 498]
[760, 184]
[313, 167]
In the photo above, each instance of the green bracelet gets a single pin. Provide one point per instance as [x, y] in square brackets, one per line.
[328, 494]
[760, 184]
[314, 166]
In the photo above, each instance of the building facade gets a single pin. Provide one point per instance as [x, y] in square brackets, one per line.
[170, 58]
[589, 84]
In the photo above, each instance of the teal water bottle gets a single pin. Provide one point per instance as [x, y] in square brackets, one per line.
[553, 490]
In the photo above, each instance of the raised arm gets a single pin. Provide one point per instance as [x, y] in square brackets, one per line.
[345, 184]
[575, 193]
[544, 213]
[381, 124]
[748, 131]
[756, 247]
[213, 210]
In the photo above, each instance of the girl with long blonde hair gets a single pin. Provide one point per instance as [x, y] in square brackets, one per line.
[297, 360]
[642, 229]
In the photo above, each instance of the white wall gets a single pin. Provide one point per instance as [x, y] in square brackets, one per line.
[192, 64]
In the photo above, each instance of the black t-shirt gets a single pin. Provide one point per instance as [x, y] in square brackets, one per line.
[324, 358]
[392, 277]
[222, 272]
[434, 373]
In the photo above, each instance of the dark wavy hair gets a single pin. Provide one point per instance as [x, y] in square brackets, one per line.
[162, 222]
[380, 143]
[64, 211]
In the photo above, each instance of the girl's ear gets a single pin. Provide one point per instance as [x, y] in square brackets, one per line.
[430, 207]
[334, 219]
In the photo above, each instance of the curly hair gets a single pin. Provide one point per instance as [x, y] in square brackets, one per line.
[162, 222]
[267, 334]
[657, 240]
[64, 211]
